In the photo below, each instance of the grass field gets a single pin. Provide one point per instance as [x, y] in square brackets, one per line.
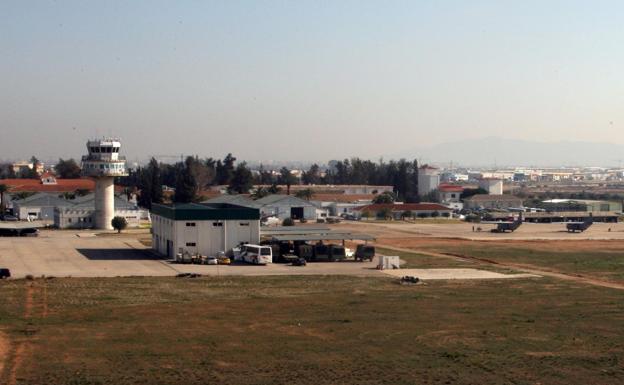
[600, 259]
[309, 330]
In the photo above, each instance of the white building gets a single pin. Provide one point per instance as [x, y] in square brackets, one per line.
[81, 213]
[450, 196]
[203, 228]
[428, 179]
[494, 186]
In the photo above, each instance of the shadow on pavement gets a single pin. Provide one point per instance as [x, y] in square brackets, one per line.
[118, 254]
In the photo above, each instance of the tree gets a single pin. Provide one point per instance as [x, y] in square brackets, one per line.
[119, 223]
[6, 171]
[312, 176]
[242, 180]
[385, 198]
[150, 184]
[384, 213]
[287, 178]
[3, 189]
[185, 187]
[224, 170]
[306, 194]
[67, 169]
[32, 172]
[365, 214]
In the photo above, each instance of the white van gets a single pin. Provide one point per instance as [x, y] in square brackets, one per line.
[256, 254]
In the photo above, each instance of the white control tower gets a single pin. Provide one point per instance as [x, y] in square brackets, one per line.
[103, 164]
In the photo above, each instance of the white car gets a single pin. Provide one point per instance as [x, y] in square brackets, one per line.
[212, 261]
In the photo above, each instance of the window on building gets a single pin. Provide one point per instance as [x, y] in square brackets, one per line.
[69, 220]
[190, 224]
[190, 244]
[244, 223]
[217, 224]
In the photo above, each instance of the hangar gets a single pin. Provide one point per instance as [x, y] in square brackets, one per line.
[202, 228]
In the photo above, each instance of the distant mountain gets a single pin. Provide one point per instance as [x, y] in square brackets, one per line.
[509, 152]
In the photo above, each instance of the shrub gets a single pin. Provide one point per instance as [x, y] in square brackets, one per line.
[435, 214]
[288, 222]
[119, 223]
[446, 215]
[423, 215]
[303, 220]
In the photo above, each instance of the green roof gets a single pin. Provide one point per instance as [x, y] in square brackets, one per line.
[205, 211]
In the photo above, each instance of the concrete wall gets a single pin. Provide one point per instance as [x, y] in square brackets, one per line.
[206, 237]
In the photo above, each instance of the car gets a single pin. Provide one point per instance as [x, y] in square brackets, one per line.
[212, 261]
[299, 262]
[9, 218]
[5, 273]
[223, 260]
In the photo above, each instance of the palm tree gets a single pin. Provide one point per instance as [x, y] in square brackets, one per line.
[3, 189]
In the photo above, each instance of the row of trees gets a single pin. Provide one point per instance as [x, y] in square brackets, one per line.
[401, 174]
[191, 176]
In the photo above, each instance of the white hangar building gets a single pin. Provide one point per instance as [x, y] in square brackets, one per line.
[204, 228]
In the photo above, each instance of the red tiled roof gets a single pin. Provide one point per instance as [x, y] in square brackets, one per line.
[450, 188]
[35, 185]
[405, 207]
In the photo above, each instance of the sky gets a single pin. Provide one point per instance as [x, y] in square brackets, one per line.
[305, 80]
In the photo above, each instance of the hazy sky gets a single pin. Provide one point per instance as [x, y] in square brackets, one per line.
[306, 80]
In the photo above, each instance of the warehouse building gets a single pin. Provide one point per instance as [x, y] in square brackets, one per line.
[203, 228]
[487, 201]
[403, 210]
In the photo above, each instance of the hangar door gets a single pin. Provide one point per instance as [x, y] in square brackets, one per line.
[296, 212]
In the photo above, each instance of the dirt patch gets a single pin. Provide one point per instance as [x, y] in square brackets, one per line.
[4, 351]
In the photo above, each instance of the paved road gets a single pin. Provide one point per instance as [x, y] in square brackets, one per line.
[82, 254]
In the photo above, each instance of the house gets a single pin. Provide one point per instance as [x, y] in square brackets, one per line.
[202, 228]
[486, 201]
[400, 210]
[450, 196]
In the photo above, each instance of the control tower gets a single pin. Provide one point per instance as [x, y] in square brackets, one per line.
[103, 164]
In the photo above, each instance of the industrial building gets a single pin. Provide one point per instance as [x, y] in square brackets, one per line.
[400, 210]
[104, 164]
[428, 179]
[583, 205]
[486, 201]
[78, 213]
[276, 205]
[203, 228]
[493, 186]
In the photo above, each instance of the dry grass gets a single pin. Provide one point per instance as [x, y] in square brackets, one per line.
[313, 330]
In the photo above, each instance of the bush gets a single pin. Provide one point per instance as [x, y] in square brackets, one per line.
[446, 215]
[119, 223]
[288, 222]
[435, 214]
[303, 220]
[423, 215]
[320, 220]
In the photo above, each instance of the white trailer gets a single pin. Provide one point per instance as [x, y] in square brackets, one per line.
[256, 254]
